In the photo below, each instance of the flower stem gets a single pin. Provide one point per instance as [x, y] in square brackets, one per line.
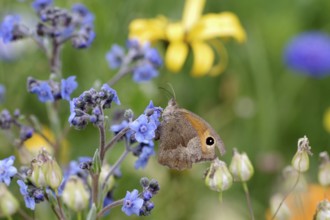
[124, 68]
[55, 125]
[115, 166]
[247, 194]
[59, 203]
[95, 188]
[79, 215]
[115, 139]
[102, 141]
[110, 206]
[55, 61]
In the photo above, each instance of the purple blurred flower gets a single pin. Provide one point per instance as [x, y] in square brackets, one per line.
[68, 86]
[39, 5]
[115, 56]
[44, 92]
[153, 57]
[7, 28]
[147, 152]
[7, 170]
[84, 14]
[144, 72]
[309, 53]
[29, 201]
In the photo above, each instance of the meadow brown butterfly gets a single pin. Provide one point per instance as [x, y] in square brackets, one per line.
[185, 138]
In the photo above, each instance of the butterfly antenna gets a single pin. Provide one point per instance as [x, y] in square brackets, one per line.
[173, 92]
[169, 94]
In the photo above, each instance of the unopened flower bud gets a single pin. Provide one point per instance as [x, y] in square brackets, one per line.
[323, 210]
[300, 161]
[8, 203]
[324, 169]
[241, 167]
[103, 175]
[218, 177]
[37, 175]
[53, 174]
[75, 194]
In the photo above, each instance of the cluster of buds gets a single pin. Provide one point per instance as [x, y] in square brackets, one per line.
[150, 188]
[219, 178]
[88, 107]
[61, 24]
[45, 171]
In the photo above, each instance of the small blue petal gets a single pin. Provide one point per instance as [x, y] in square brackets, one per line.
[68, 86]
[38, 5]
[115, 56]
[144, 72]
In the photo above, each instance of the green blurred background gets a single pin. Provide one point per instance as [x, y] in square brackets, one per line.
[256, 105]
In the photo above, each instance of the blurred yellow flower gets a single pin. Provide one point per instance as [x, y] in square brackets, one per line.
[33, 146]
[196, 31]
[326, 120]
[302, 205]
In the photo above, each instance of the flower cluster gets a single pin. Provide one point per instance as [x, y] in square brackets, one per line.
[141, 59]
[50, 90]
[137, 204]
[89, 106]
[143, 131]
[7, 121]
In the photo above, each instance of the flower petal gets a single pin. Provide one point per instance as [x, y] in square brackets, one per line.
[222, 60]
[175, 56]
[148, 29]
[203, 58]
[224, 24]
[175, 31]
[192, 12]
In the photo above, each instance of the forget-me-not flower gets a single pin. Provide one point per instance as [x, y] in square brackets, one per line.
[68, 86]
[44, 92]
[112, 92]
[147, 152]
[132, 203]
[7, 170]
[39, 5]
[29, 201]
[7, 28]
[144, 128]
[144, 72]
[115, 56]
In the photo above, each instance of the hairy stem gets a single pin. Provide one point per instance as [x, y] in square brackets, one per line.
[114, 167]
[102, 142]
[115, 139]
[110, 206]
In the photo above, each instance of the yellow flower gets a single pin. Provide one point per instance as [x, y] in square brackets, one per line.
[37, 142]
[196, 31]
[326, 120]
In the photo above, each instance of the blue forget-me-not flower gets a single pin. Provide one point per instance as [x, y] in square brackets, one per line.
[7, 28]
[7, 170]
[68, 86]
[144, 128]
[132, 203]
[29, 201]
